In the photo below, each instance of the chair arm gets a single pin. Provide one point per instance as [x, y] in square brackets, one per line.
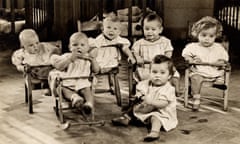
[112, 70]
[225, 66]
[59, 78]
[27, 67]
[133, 66]
[118, 45]
[145, 62]
[73, 77]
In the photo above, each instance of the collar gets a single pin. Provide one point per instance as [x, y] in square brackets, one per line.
[107, 37]
[152, 41]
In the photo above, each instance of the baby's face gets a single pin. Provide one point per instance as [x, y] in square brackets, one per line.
[31, 45]
[111, 29]
[152, 30]
[80, 46]
[207, 37]
[160, 74]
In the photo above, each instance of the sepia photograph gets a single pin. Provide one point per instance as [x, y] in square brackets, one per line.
[119, 71]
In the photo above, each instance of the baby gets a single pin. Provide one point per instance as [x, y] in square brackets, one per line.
[108, 55]
[205, 50]
[153, 43]
[79, 62]
[34, 53]
[155, 100]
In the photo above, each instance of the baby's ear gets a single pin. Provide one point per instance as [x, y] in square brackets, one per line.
[161, 29]
[69, 47]
[170, 77]
[100, 26]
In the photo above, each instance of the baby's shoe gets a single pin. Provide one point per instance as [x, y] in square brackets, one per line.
[77, 101]
[196, 102]
[46, 92]
[121, 121]
[179, 93]
[196, 105]
[219, 84]
[87, 108]
[153, 135]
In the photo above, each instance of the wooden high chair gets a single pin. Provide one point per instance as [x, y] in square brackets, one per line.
[33, 83]
[217, 100]
[61, 108]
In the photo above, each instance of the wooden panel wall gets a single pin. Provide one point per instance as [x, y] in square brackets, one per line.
[7, 3]
[67, 12]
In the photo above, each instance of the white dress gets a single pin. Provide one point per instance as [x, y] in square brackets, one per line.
[108, 57]
[78, 68]
[206, 54]
[148, 50]
[21, 57]
[167, 115]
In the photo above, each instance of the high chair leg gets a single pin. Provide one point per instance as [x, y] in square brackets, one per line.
[111, 85]
[186, 87]
[26, 93]
[130, 78]
[225, 102]
[60, 108]
[56, 108]
[29, 94]
[117, 90]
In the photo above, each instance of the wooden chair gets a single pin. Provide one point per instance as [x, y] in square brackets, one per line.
[207, 83]
[113, 82]
[60, 106]
[114, 87]
[33, 82]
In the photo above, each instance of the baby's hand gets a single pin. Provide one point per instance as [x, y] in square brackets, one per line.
[93, 53]
[27, 68]
[196, 60]
[144, 108]
[131, 60]
[20, 68]
[148, 100]
[220, 62]
[85, 56]
[139, 60]
[74, 56]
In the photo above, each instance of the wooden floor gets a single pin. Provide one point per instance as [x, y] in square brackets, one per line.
[209, 126]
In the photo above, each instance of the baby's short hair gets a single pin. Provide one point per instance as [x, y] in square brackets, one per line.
[153, 17]
[158, 59]
[27, 34]
[111, 18]
[206, 23]
[78, 36]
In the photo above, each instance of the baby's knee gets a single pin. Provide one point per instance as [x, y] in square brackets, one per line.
[85, 91]
[196, 78]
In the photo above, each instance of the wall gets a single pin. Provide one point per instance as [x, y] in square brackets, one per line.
[177, 14]
[67, 12]
[18, 3]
